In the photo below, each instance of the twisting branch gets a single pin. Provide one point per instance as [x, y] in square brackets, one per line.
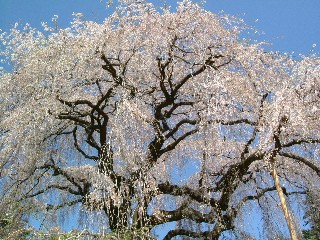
[54, 186]
[200, 196]
[262, 193]
[235, 122]
[302, 160]
[110, 67]
[175, 105]
[231, 179]
[208, 63]
[75, 119]
[65, 204]
[105, 98]
[162, 68]
[60, 171]
[88, 103]
[176, 142]
[186, 78]
[76, 145]
[184, 212]
[300, 141]
[179, 124]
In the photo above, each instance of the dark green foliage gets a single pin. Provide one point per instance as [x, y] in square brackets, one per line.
[312, 217]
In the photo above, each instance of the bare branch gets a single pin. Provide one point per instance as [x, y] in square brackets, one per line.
[176, 142]
[54, 186]
[179, 124]
[197, 195]
[235, 122]
[65, 204]
[183, 212]
[302, 160]
[300, 141]
[60, 171]
[79, 148]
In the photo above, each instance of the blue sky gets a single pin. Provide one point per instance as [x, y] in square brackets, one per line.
[290, 25]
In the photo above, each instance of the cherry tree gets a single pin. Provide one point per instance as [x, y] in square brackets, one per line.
[158, 116]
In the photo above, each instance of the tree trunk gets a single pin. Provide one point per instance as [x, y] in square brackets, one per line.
[117, 216]
[283, 203]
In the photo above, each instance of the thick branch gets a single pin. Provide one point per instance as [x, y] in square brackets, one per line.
[60, 171]
[88, 103]
[197, 195]
[109, 66]
[235, 122]
[176, 142]
[209, 62]
[263, 192]
[77, 120]
[179, 124]
[175, 106]
[300, 141]
[76, 145]
[183, 232]
[183, 212]
[186, 78]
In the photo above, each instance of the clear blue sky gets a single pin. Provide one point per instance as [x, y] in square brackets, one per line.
[291, 25]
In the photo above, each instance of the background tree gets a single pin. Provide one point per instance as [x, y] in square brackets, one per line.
[107, 117]
[312, 216]
[14, 217]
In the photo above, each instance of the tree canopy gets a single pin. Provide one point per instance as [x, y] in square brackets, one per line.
[157, 116]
